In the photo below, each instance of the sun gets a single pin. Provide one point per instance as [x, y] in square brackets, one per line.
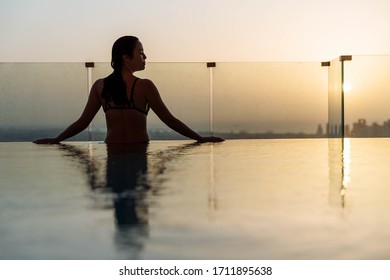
[346, 87]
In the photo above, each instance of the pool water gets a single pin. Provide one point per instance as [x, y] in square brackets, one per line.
[240, 199]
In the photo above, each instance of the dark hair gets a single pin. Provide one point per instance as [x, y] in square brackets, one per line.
[123, 46]
[114, 87]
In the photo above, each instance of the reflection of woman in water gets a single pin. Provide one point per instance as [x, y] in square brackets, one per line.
[131, 177]
[123, 186]
[126, 178]
[125, 181]
[131, 173]
[126, 100]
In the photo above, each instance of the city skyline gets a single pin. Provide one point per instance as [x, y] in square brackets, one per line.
[360, 129]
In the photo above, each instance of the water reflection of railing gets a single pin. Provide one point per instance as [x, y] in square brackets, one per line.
[339, 170]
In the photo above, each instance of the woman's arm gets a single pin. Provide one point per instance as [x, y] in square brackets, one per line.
[91, 108]
[161, 110]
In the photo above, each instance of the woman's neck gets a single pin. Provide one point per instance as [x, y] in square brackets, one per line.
[127, 75]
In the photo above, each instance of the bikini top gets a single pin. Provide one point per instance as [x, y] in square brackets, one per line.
[130, 103]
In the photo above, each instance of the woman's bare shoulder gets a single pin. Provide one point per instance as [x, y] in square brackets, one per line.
[147, 85]
[99, 83]
[145, 82]
[97, 87]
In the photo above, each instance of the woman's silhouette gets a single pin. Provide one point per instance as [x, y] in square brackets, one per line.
[126, 101]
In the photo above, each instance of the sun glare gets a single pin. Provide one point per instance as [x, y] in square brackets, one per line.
[347, 87]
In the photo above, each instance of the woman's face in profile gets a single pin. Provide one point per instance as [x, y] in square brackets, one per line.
[139, 57]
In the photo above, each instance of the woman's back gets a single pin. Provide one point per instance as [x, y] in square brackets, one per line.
[126, 123]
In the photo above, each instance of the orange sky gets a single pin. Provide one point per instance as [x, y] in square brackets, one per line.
[194, 30]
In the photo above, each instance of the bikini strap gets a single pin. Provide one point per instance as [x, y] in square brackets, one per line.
[132, 93]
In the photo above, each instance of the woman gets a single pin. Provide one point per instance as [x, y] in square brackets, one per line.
[126, 100]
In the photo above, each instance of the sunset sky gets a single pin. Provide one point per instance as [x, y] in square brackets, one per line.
[199, 31]
[194, 30]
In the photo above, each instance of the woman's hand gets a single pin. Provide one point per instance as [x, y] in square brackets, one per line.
[211, 139]
[47, 141]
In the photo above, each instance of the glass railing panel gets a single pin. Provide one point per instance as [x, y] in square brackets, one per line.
[367, 96]
[250, 97]
[40, 99]
[335, 99]
[184, 87]
[266, 99]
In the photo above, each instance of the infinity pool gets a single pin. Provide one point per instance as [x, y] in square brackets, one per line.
[242, 199]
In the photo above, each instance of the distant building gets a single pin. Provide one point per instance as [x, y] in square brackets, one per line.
[347, 130]
[320, 131]
[362, 129]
